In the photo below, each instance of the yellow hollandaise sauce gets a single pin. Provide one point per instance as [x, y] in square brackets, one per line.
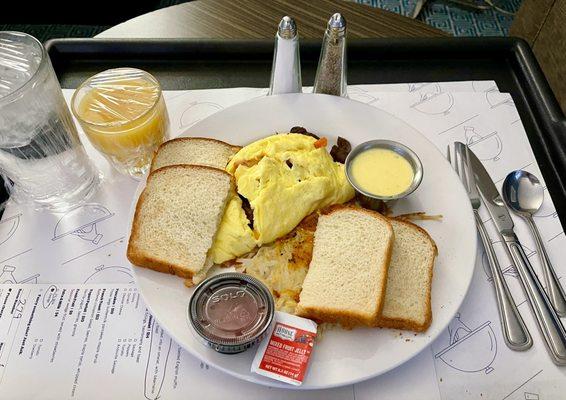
[381, 172]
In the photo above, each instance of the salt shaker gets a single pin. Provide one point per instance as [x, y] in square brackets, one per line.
[286, 70]
[331, 71]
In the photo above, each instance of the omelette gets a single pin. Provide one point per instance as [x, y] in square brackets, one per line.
[235, 236]
[284, 178]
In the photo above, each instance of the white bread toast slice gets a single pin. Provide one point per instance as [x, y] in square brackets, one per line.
[346, 279]
[194, 150]
[407, 297]
[177, 217]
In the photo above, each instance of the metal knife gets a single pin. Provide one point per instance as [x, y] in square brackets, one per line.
[546, 317]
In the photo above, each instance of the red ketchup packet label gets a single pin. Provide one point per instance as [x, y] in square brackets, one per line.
[285, 354]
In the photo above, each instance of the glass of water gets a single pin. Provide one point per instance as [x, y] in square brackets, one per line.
[40, 151]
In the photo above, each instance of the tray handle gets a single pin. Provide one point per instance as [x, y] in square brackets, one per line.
[547, 113]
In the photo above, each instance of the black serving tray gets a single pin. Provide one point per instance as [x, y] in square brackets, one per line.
[205, 63]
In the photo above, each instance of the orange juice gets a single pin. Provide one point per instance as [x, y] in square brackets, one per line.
[123, 113]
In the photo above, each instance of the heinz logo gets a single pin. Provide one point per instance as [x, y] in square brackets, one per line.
[285, 333]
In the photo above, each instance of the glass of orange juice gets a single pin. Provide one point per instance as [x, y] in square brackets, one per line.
[123, 113]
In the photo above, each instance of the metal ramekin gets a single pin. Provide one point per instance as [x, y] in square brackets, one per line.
[398, 148]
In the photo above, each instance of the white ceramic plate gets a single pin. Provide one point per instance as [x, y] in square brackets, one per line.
[341, 357]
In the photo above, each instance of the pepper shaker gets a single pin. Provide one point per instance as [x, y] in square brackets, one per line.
[286, 70]
[331, 71]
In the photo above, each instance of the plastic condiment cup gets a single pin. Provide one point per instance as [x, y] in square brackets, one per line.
[231, 312]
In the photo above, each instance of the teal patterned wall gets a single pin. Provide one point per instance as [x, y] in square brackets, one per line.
[455, 20]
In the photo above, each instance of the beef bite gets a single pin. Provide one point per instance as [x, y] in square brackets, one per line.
[340, 150]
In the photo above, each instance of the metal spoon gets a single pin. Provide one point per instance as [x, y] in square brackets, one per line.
[524, 194]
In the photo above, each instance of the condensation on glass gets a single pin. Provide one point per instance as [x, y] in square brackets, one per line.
[41, 157]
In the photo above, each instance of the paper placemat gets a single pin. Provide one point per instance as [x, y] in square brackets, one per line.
[40, 345]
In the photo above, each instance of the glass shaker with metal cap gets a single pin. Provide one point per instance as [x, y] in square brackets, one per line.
[286, 70]
[331, 71]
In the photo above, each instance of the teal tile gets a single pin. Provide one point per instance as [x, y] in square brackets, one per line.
[455, 20]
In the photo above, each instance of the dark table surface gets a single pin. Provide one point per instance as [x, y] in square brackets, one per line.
[247, 19]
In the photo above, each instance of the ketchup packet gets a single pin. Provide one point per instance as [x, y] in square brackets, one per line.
[285, 354]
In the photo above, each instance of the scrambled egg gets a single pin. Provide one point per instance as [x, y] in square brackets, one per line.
[285, 178]
[234, 236]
